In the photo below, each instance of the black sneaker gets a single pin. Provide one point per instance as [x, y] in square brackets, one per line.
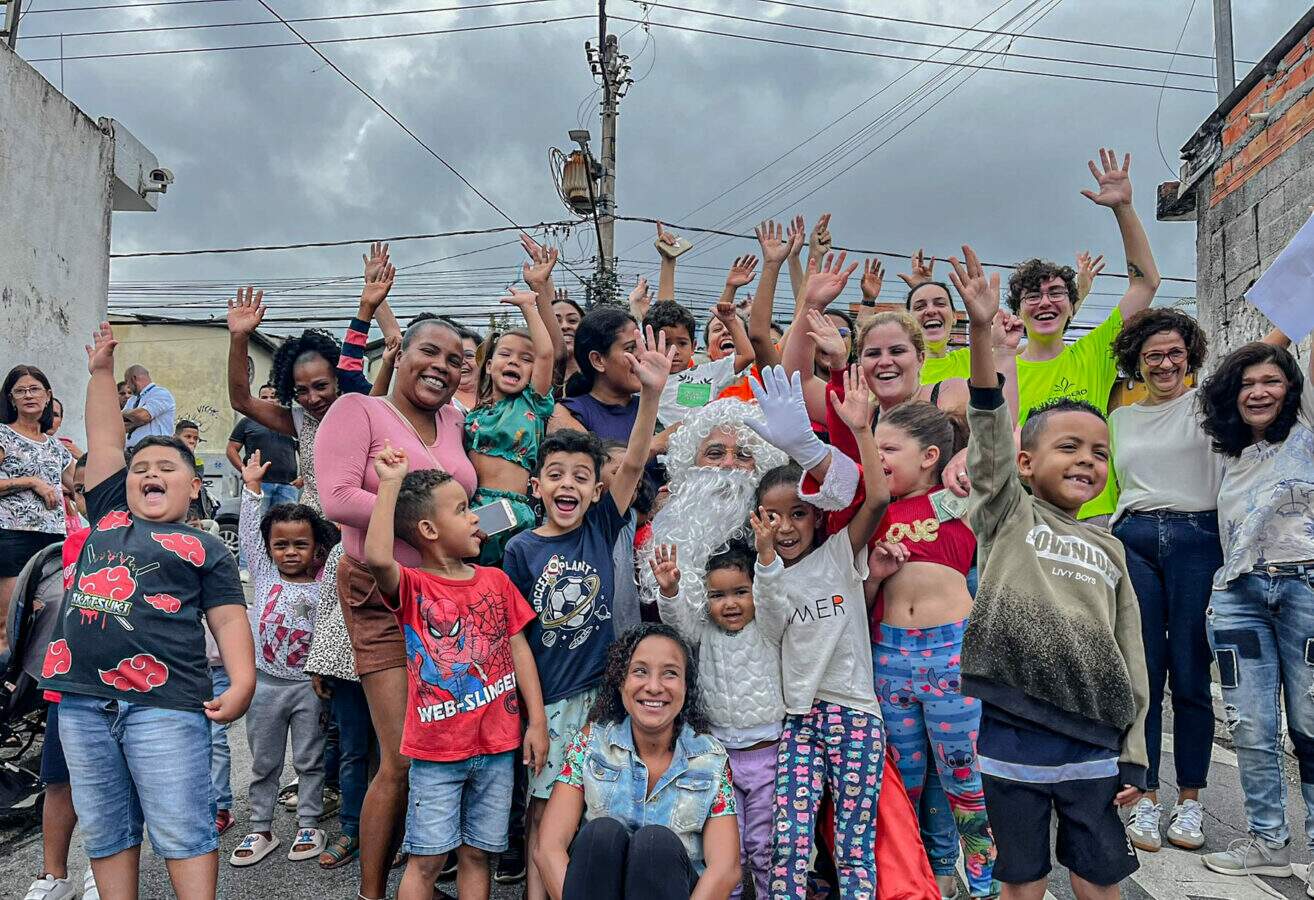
[511, 865]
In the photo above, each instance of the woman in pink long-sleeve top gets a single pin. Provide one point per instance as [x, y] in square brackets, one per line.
[417, 417]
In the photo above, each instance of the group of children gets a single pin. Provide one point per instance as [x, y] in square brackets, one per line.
[814, 663]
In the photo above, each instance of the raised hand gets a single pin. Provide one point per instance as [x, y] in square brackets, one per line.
[651, 360]
[521, 300]
[1006, 332]
[1087, 271]
[830, 343]
[922, 271]
[827, 281]
[795, 234]
[246, 311]
[855, 409]
[537, 275]
[666, 241]
[253, 472]
[640, 299]
[1114, 183]
[725, 312]
[378, 282]
[391, 344]
[765, 528]
[873, 275]
[742, 272]
[819, 241]
[785, 423]
[886, 559]
[563, 294]
[665, 567]
[980, 294]
[775, 247]
[375, 260]
[100, 352]
[390, 463]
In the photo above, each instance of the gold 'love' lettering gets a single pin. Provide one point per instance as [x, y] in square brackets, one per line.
[921, 530]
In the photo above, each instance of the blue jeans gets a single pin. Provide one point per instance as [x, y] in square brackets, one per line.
[273, 495]
[355, 735]
[221, 765]
[1171, 558]
[132, 765]
[463, 802]
[1261, 628]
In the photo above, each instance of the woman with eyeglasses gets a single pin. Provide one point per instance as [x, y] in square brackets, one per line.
[34, 468]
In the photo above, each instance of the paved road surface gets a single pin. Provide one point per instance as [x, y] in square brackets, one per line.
[1167, 875]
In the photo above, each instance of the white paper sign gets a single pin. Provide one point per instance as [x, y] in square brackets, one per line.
[1285, 293]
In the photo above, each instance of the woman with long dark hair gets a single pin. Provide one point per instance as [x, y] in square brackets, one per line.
[649, 783]
[1260, 415]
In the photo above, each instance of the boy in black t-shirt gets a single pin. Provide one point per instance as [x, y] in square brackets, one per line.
[128, 654]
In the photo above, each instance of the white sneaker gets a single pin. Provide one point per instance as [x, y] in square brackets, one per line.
[1251, 856]
[1185, 825]
[1143, 829]
[48, 887]
[89, 889]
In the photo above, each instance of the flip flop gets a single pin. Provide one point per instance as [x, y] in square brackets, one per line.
[311, 840]
[257, 845]
[341, 851]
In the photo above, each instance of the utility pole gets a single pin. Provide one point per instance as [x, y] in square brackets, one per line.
[613, 70]
[1224, 64]
[9, 22]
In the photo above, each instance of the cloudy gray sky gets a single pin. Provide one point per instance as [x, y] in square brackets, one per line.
[271, 146]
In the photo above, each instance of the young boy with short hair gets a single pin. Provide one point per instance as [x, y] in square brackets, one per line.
[1053, 649]
[565, 567]
[466, 661]
[690, 386]
[128, 656]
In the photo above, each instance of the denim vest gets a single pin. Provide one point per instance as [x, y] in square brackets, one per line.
[616, 784]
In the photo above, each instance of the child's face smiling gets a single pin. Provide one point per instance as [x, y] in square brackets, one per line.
[720, 342]
[292, 548]
[161, 484]
[798, 522]
[1069, 464]
[511, 364]
[907, 466]
[568, 485]
[730, 598]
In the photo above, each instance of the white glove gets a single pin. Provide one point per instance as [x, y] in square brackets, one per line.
[787, 425]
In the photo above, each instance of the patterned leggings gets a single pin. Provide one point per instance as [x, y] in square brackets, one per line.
[843, 749]
[918, 682]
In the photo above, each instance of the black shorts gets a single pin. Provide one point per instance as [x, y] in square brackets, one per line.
[1091, 842]
[17, 547]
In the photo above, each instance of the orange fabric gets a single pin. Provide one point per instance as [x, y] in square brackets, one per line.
[902, 869]
[740, 389]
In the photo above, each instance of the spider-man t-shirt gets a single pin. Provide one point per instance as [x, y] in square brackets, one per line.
[131, 623]
[461, 698]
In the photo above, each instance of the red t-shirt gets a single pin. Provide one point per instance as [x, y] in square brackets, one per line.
[461, 698]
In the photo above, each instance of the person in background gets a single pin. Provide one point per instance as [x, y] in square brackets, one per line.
[56, 422]
[151, 408]
[568, 314]
[467, 393]
[125, 393]
[34, 467]
[279, 450]
[204, 508]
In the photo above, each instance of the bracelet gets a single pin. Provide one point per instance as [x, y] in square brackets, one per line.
[866, 302]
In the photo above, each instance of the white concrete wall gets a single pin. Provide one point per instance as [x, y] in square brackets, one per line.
[55, 167]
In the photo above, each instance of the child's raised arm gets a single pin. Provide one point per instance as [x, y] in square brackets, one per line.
[651, 362]
[855, 411]
[390, 466]
[775, 253]
[741, 273]
[539, 278]
[544, 352]
[383, 377]
[106, 436]
[248, 514]
[674, 607]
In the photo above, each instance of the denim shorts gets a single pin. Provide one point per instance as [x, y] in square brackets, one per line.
[465, 802]
[132, 765]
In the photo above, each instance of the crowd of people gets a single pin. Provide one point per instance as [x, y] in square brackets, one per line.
[584, 604]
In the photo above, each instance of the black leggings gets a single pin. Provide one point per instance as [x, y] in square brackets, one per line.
[609, 863]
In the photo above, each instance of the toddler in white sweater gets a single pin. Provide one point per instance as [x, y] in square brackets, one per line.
[737, 635]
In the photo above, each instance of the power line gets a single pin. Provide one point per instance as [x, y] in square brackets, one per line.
[311, 44]
[62, 9]
[872, 53]
[1158, 107]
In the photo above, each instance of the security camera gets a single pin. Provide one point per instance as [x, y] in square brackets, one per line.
[158, 180]
[579, 136]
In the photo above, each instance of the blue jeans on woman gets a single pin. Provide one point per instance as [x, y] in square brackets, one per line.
[1261, 627]
[355, 735]
[1171, 558]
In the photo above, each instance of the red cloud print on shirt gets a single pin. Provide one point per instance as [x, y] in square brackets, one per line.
[59, 659]
[184, 546]
[111, 582]
[141, 673]
[118, 518]
[164, 602]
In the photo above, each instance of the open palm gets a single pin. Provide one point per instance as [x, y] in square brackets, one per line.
[1114, 182]
[246, 311]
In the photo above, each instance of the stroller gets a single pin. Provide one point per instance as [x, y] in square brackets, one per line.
[33, 612]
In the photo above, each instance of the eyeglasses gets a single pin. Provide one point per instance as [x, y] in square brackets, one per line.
[27, 392]
[1155, 358]
[717, 452]
[1054, 293]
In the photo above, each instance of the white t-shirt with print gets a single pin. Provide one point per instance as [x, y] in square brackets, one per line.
[1266, 502]
[826, 652]
[695, 388]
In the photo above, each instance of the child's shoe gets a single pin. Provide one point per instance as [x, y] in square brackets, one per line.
[256, 847]
[1251, 856]
[223, 821]
[1185, 825]
[89, 889]
[1143, 829]
[309, 844]
[287, 796]
[48, 887]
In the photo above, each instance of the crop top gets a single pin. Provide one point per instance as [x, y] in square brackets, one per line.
[931, 531]
[510, 429]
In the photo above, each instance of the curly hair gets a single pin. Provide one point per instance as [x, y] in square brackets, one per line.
[9, 410]
[1220, 417]
[609, 709]
[1030, 275]
[324, 532]
[669, 314]
[306, 346]
[1126, 349]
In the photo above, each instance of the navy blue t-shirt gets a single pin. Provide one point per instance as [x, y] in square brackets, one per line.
[569, 579]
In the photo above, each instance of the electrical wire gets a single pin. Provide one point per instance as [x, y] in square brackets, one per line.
[64, 9]
[1158, 107]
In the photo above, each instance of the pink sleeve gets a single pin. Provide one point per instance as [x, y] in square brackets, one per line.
[342, 453]
[841, 438]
